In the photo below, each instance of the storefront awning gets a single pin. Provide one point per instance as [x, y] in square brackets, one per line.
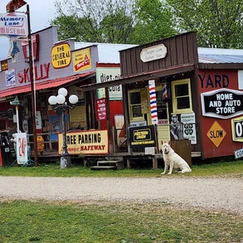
[53, 83]
[141, 77]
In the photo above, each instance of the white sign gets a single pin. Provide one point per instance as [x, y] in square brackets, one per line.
[13, 25]
[239, 153]
[189, 127]
[10, 77]
[21, 147]
[104, 74]
[153, 53]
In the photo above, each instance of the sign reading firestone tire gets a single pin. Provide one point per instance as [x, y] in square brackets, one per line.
[13, 25]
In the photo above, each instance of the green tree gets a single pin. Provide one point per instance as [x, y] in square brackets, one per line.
[94, 21]
[218, 22]
[153, 21]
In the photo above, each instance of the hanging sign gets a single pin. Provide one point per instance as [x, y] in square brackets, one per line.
[13, 25]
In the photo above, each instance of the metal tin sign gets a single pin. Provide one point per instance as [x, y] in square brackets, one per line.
[237, 129]
[142, 136]
[222, 103]
[216, 134]
[239, 153]
[13, 25]
[61, 55]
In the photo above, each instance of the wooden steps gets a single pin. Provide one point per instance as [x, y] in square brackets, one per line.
[108, 165]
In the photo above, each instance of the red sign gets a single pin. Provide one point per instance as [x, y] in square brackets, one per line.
[101, 109]
[14, 5]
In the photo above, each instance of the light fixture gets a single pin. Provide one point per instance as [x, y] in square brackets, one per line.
[60, 104]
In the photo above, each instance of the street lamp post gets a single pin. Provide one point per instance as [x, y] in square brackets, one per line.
[60, 104]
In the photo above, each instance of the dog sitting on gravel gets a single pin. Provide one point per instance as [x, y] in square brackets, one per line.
[173, 161]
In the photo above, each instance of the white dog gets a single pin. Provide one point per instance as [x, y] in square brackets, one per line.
[173, 160]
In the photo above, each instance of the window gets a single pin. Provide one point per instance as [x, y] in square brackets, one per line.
[181, 96]
[135, 105]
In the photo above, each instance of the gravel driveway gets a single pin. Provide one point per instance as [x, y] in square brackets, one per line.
[211, 193]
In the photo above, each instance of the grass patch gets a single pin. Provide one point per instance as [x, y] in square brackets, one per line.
[24, 221]
[234, 168]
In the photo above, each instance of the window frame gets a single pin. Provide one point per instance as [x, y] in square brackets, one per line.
[174, 97]
[132, 118]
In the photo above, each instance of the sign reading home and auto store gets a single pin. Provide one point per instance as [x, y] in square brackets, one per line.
[237, 129]
[222, 103]
[86, 142]
[14, 25]
[142, 136]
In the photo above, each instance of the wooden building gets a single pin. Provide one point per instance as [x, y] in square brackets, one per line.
[198, 94]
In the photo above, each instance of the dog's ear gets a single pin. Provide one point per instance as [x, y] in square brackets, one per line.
[161, 142]
[169, 142]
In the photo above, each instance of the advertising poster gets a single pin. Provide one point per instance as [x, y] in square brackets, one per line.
[85, 142]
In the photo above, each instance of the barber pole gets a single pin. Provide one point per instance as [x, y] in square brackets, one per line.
[153, 103]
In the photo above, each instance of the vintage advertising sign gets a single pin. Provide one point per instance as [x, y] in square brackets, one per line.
[189, 127]
[13, 25]
[104, 74]
[61, 55]
[85, 142]
[222, 103]
[142, 136]
[101, 109]
[21, 147]
[81, 60]
[238, 153]
[153, 53]
[10, 78]
[237, 129]
[216, 134]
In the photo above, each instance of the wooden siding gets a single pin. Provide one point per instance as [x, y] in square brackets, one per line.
[181, 50]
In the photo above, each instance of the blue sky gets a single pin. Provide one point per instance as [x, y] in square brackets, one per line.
[41, 12]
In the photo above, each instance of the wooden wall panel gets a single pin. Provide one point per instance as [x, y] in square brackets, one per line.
[181, 49]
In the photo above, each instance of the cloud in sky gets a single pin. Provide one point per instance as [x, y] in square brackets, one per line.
[41, 13]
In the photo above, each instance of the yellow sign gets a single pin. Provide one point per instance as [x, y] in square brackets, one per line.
[61, 55]
[237, 129]
[81, 60]
[216, 134]
[86, 142]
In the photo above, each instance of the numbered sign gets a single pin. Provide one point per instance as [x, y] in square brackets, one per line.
[21, 148]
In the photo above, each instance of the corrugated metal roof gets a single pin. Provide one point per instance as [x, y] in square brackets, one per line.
[107, 52]
[42, 85]
[219, 55]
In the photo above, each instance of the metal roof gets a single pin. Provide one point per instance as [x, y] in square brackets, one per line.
[107, 52]
[53, 83]
[219, 55]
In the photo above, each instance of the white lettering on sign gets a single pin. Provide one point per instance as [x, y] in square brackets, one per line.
[238, 153]
[222, 103]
